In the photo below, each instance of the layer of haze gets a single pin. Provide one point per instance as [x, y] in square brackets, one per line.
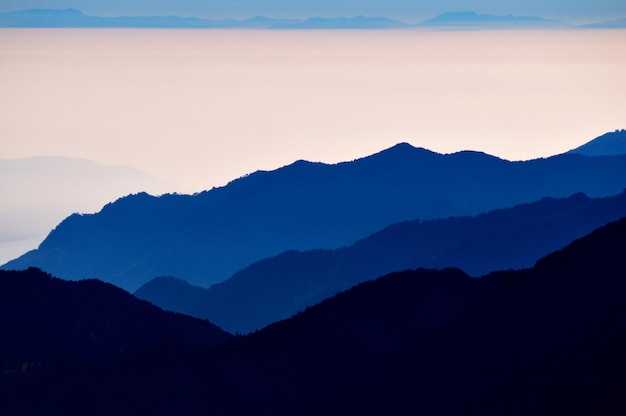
[202, 107]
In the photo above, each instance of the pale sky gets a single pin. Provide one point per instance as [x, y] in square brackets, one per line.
[204, 107]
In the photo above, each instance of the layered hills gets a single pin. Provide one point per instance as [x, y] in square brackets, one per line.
[207, 237]
[545, 340]
[278, 287]
[45, 318]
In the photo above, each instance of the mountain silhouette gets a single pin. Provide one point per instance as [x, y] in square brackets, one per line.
[278, 287]
[46, 318]
[207, 237]
[40, 18]
[72, 18]
[470, 19]
[545, 340]
[609, 144]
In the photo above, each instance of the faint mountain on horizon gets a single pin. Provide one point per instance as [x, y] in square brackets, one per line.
[542, 341]
[512, 238]
[357, 22]
[40, 191]
[471, 19]
[38, 18]
[72, 18]
[609, 144]
[207, 237]
[450, 20]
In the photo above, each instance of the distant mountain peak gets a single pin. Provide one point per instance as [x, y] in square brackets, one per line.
[472, 19]
[404, 147]
[609, 144]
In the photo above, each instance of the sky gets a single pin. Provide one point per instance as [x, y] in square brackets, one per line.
[201, 108]
[579, 11]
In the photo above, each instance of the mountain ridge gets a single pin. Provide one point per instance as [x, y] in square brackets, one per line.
[207, 237]
[278, 287]
[39, 18]
[60, 319]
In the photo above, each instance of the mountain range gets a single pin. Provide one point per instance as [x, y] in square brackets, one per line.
[37, 18]
[545, 340]
[470, 19]
[207, 237]
[276, 288]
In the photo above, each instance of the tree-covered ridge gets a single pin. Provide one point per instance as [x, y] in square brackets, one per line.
[45, 318]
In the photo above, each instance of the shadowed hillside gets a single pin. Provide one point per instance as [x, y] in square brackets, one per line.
[207, 237]
[543, 341]
[278, 287]
[45, 318]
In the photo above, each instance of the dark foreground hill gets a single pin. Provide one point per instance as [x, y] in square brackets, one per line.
[45, 318]
[278, 287]
[207, 237]
[543, 341]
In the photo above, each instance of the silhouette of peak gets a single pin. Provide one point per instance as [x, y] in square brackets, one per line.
[401, 151]
[405, 147]
[609, 144]
[473, 154]
[401, 146]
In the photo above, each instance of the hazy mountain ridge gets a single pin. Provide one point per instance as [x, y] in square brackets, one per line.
[75, 18]
[278, 287]
[38, 18]
[45, 189]
[471, 19]
[207, 237]
[546, 340]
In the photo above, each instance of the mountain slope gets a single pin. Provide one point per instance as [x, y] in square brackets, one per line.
[278, 287]
[207, 237]
[546, 340]
[609, 144]
[45, 318]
